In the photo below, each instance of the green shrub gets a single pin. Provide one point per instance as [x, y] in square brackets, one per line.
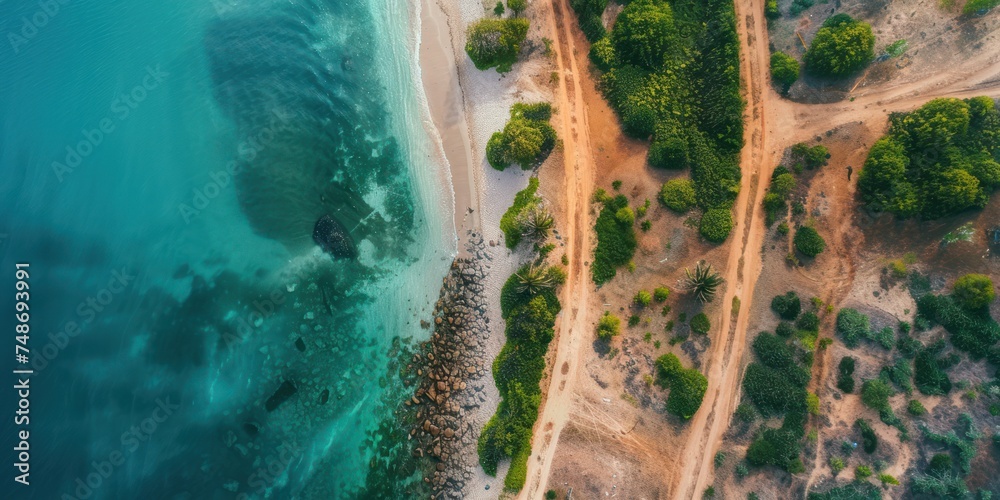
[841, 47]
[778, 447]
[809, 322]
[928, 376]
[916, 408]
[518, 6]
[811, 157]
[771, 9]
[661, 293]
[974, 332]
[608, 326]
[869, 441]
[979, 6]
[940, 463]
[645, 34]
[808, 241]
[524, 200]
[852, 326]
[771, 391]
[845, 379]
[787, 306]
[785, 329]
[616, 241]
[875, 394]
[974, 291]
[678, 195]
[496, 42]
[625, 216]
[700, 324]
[602, 54]
[526, 139]
[862, 472]
[499, 9]
[643, 298]
[551, 495]
[784, 70]
[687, 386]
[716, 224]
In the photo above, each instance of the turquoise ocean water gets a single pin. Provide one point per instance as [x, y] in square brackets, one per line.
[163, 165]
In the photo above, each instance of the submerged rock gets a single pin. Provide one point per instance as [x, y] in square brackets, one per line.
[285, 391]
[333, 238]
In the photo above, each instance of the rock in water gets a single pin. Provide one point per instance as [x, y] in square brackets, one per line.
[333, 238]
[284, 392]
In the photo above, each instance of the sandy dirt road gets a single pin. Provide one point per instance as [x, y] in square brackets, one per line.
[573, 331]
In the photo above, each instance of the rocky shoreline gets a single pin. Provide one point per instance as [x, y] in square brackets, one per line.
[453, 375]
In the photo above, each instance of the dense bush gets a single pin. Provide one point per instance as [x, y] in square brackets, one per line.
[687, 386]
[852, 326]
[678, 195]
[869, 441]
[810, 157]
[841, 47]
[661, 293]
[928, 375]
[784, 70]
[700, 324]
[524, 201]
[608, 326]
[808, 241]
[974, 332]
[616, 241]
[916, 408]
[518, 6]
[787, 306]
[672, 76]
[716, 224]
[517, 372]
[496, 42]
[936, 161]
[845, 377]
[974, 291]
[527, 139]
[875, 394]
[808, 322]
[771, 390]
[856, 490]
[785, 329]
[778, 447]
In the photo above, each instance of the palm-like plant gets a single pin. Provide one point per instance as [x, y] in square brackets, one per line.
[703, 282]
[534, 279]
[536, 223]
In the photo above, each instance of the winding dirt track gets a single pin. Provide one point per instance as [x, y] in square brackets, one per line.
[578, 162]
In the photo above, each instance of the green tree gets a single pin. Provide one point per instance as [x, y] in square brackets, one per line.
[643, 298]
[498, 10]
[841, 47]
[645, 34]
[784, 70]
[625, 216]
[496, 42]
[678, 195]
[687, 389]
[974, 291]
[518, 6]
[661, 293]
[716, 224]
[608, 326]
[782, 184]
[808, 241]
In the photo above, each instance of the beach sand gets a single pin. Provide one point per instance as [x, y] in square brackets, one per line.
[467, 106]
